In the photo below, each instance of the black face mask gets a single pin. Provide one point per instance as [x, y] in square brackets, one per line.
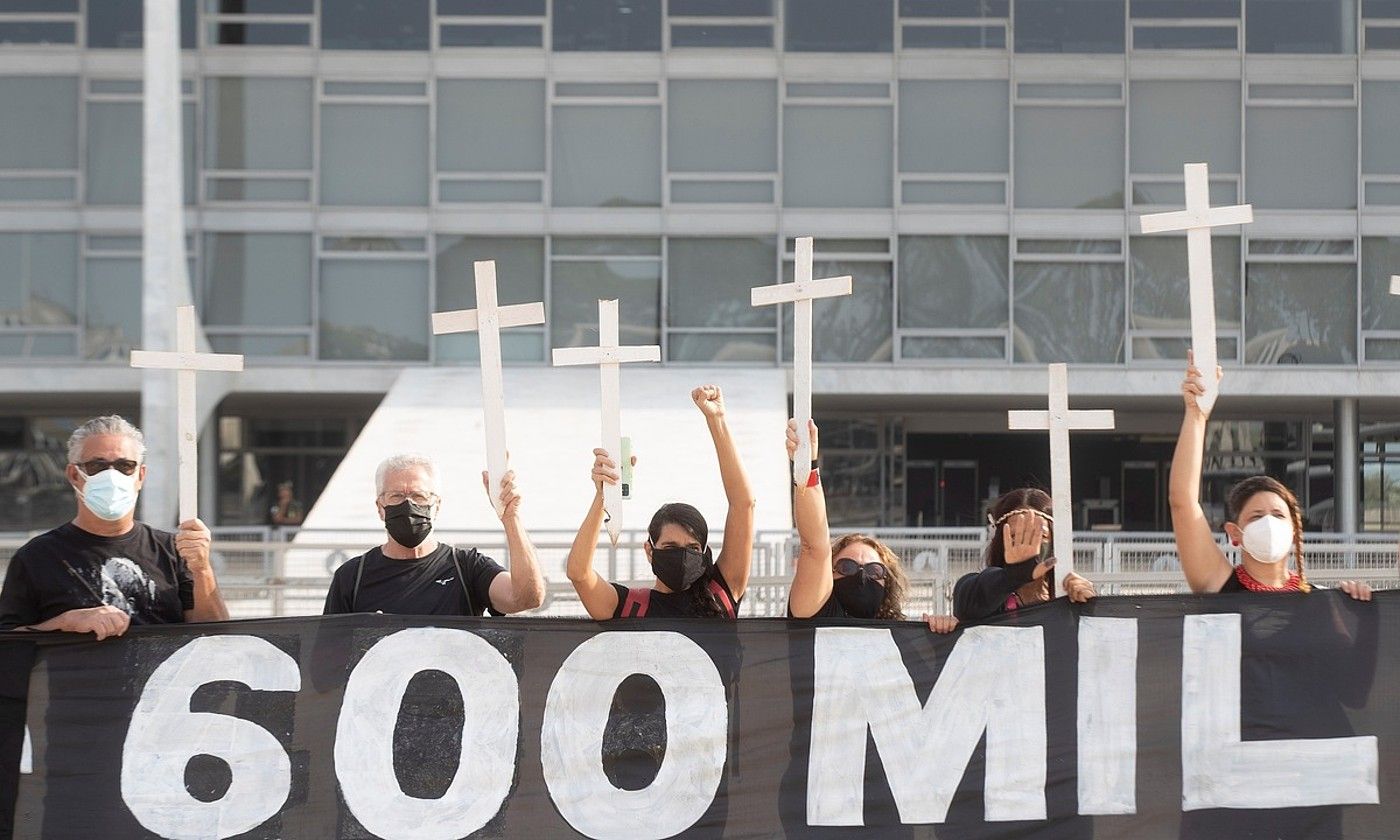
[859, 596]
[680, 568]
[408, 523]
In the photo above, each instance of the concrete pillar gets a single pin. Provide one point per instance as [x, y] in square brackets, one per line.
[1346, 464]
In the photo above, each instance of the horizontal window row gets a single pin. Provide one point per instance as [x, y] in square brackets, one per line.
[736, 142]
[841, 26]
[353, 298]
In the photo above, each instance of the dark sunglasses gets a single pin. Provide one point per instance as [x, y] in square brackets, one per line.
[874, 571]
[125, 466]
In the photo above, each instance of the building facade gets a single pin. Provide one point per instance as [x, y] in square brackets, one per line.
[976, 165]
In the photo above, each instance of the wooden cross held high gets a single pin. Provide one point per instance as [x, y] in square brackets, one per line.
[1197, 220]
[488, 319]
[185, 361]
[608, 355]
[800, 293]
[1059, 420]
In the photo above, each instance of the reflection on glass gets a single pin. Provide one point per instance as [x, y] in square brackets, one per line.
[375, 24]
[519, 279]
[607, 156]
[372, 310]
[494, 125]
[1162, 292]
[1380, 125]
[257, 279]
[41, 131]
[1069, 26]
[1300, 26]
[112, 307]
[708, 281]
[33, 455]
[257, 123]
[607, 25]
[1067, 312]
[837, 156]
[38, 279]
[954, 126]
[722, 347]
[953, 281]
[1301, 158]
[1300, 314]
[829, 26]
[722, 126]
[1175, 123]
[113, 173]
[853, 328]
[355, 166]
[1069, 157]
[119, 24]
[1380, 259]
[576, 288]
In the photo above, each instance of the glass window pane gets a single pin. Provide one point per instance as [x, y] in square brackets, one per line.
[721, 8]
[1380, 260]
[576, 288]
[1300, 314]
[257, 279]
[954, 126]
[1069, 26]
[119, 24]
[519, 279]
[492, 125]
[954, 37]
[1301, 158]
[274, 346]
[607, 156]
[839, 26]
[112, 308]
[1185, 38]
[491, 7]
[1300, 26]
[721, 36]
[1067, 312]
[1069, 157]
[1175, 123]
[952, 347]
[722, 192]
[258, 189]
[852, 328]
[489, 191]
[607, 25]
[1380, 126]
[954, 8]
[257, 123]
[1185, 8]
[628, 246]
[837, 156]
[953, 281]
[708, 281]
[722, 347]
[261, 34]
[355, 168]
[38, 279]
[40, 130]
[114, 152]
[491, 35]
[1162, 292]
[374, 24]
[722, 126]
[374, 310]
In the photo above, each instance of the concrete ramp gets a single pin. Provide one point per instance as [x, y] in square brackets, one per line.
[552, 425]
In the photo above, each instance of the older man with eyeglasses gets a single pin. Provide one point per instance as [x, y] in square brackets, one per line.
[104, 571]
[414, 574]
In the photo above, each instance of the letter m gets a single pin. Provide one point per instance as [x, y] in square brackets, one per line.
[993, 682]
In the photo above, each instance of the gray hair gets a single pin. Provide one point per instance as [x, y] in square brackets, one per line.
[109, 424]
[402, 461]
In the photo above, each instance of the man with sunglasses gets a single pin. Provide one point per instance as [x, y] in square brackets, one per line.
[414, 574]
[104, 571]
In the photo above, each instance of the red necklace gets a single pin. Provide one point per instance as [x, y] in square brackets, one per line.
[1293, 584]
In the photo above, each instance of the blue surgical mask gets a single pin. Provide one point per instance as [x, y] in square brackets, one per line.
[110, 494]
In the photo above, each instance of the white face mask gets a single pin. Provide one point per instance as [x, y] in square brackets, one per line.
[1268, 539]
[110, 495]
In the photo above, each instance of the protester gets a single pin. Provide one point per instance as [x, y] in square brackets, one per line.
[689, 581]
[414, 574]
[104, 571]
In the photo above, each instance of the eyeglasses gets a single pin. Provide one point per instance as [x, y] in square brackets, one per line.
[125, 466]
[874, 571]
[418, 498]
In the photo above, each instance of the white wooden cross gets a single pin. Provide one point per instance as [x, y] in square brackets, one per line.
[488, 319]
[185, 361]
[1197, 220]
[800, 293]
[1395, 284]
[1059, 420]
[608, 355]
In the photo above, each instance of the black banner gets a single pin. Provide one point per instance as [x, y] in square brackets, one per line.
[1227, 716]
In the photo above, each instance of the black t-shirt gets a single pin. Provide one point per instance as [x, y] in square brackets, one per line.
[831, 609]
[677, 604]
[68, 568]
[431, 585]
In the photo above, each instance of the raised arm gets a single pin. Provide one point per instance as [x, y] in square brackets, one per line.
[597, 595]
[811, 583]
[521, 588]
[1202, 561]
[736, 557]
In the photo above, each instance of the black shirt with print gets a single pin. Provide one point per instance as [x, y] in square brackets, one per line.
[449, 581]
[68, 568]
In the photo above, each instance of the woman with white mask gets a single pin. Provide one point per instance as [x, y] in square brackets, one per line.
[1263, 518]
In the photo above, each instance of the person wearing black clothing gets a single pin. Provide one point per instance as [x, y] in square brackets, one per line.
[104, 571]
[414, 574]
[1018, 572]
[689, 581]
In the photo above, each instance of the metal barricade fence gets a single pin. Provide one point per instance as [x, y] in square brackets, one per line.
[275, 572]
